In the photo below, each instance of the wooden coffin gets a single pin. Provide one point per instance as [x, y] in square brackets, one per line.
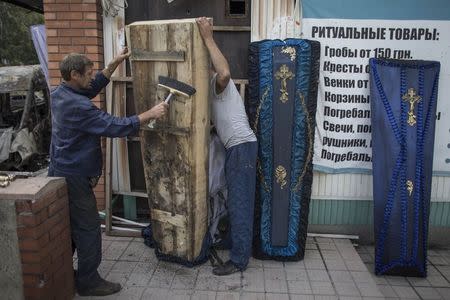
[175, 151]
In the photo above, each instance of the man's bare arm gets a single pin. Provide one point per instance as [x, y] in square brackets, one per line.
[218, 60]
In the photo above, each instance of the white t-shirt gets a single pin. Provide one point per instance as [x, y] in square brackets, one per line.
[228, 115]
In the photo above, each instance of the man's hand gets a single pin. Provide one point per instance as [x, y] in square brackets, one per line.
[218, 60]
[205, 27]
[111, 67]
[156, 112]
[124, 54]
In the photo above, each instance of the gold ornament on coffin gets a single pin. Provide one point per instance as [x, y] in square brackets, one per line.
[290, 51]
[411, 97]
[283, 74]
[409, 187]
[280, 175]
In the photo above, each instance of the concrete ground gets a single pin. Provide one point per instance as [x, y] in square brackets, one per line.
[332, 269]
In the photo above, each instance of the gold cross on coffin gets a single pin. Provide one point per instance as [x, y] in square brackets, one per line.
[412, 98]
[283, 73]
[409, 187]
[280, 174]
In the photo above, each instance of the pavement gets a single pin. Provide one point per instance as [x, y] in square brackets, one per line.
[332, 269]
[435, 286]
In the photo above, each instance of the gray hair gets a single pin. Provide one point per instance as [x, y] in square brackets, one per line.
[74, 62]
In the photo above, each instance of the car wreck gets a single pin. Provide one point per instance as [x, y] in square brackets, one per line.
[25, 124]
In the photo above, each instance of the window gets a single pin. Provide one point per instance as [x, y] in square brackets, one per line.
[236, 8]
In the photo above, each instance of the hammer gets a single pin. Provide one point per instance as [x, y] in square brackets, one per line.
[174, 87]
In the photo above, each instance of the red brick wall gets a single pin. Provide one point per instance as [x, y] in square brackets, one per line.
[43, 230]
[75, 26]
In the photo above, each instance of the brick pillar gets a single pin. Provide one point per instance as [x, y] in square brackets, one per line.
[76, 26]
[36, 252]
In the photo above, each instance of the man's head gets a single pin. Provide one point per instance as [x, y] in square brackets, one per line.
[76, 69]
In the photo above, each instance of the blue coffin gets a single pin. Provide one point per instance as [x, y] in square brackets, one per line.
[283, 79]
[403, 102]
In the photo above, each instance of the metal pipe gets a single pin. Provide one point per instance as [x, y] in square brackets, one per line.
[117, 222]
[334, 236]
[124, 220]
[122, 228]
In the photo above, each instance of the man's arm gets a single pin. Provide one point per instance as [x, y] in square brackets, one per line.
[102, 78]
[112, 66]
[96, 85]
[156, 112]
[95, 121]
[218, 60]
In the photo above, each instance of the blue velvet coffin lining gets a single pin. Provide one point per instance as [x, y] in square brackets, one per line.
[260, 110]
[402, 162]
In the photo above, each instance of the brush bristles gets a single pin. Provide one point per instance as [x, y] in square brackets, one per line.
[174, 84]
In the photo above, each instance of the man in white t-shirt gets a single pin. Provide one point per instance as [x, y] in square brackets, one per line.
[231, 122]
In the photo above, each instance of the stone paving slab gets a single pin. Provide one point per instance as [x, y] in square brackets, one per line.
[332, 269]
[435, 286]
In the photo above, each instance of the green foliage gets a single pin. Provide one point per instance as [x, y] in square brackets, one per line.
[16, 46]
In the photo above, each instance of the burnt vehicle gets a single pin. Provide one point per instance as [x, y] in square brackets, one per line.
[25, 124]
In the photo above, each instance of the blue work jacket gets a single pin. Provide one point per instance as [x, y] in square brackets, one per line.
[78, 125]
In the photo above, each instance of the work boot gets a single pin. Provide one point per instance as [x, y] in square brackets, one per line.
[104, 288]
[226, 269]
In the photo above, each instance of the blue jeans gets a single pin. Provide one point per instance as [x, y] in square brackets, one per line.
[85, 229]
[240, 172]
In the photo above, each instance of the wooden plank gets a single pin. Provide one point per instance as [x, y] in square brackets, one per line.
[158, 42]
[145, 84]
[254, 21]
[231, 28]
[121, 79]
[164, 56]
[168, 129]
[200, 140]
[180, 36]
[120, 145]
[167, 217]
[175, 165]
[162, 9]
[108, 54]
[117, 175]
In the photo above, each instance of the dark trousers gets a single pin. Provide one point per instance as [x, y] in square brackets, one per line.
[85, 229]
[240, 172]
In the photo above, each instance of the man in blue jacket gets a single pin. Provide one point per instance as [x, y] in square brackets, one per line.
[75, 153]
